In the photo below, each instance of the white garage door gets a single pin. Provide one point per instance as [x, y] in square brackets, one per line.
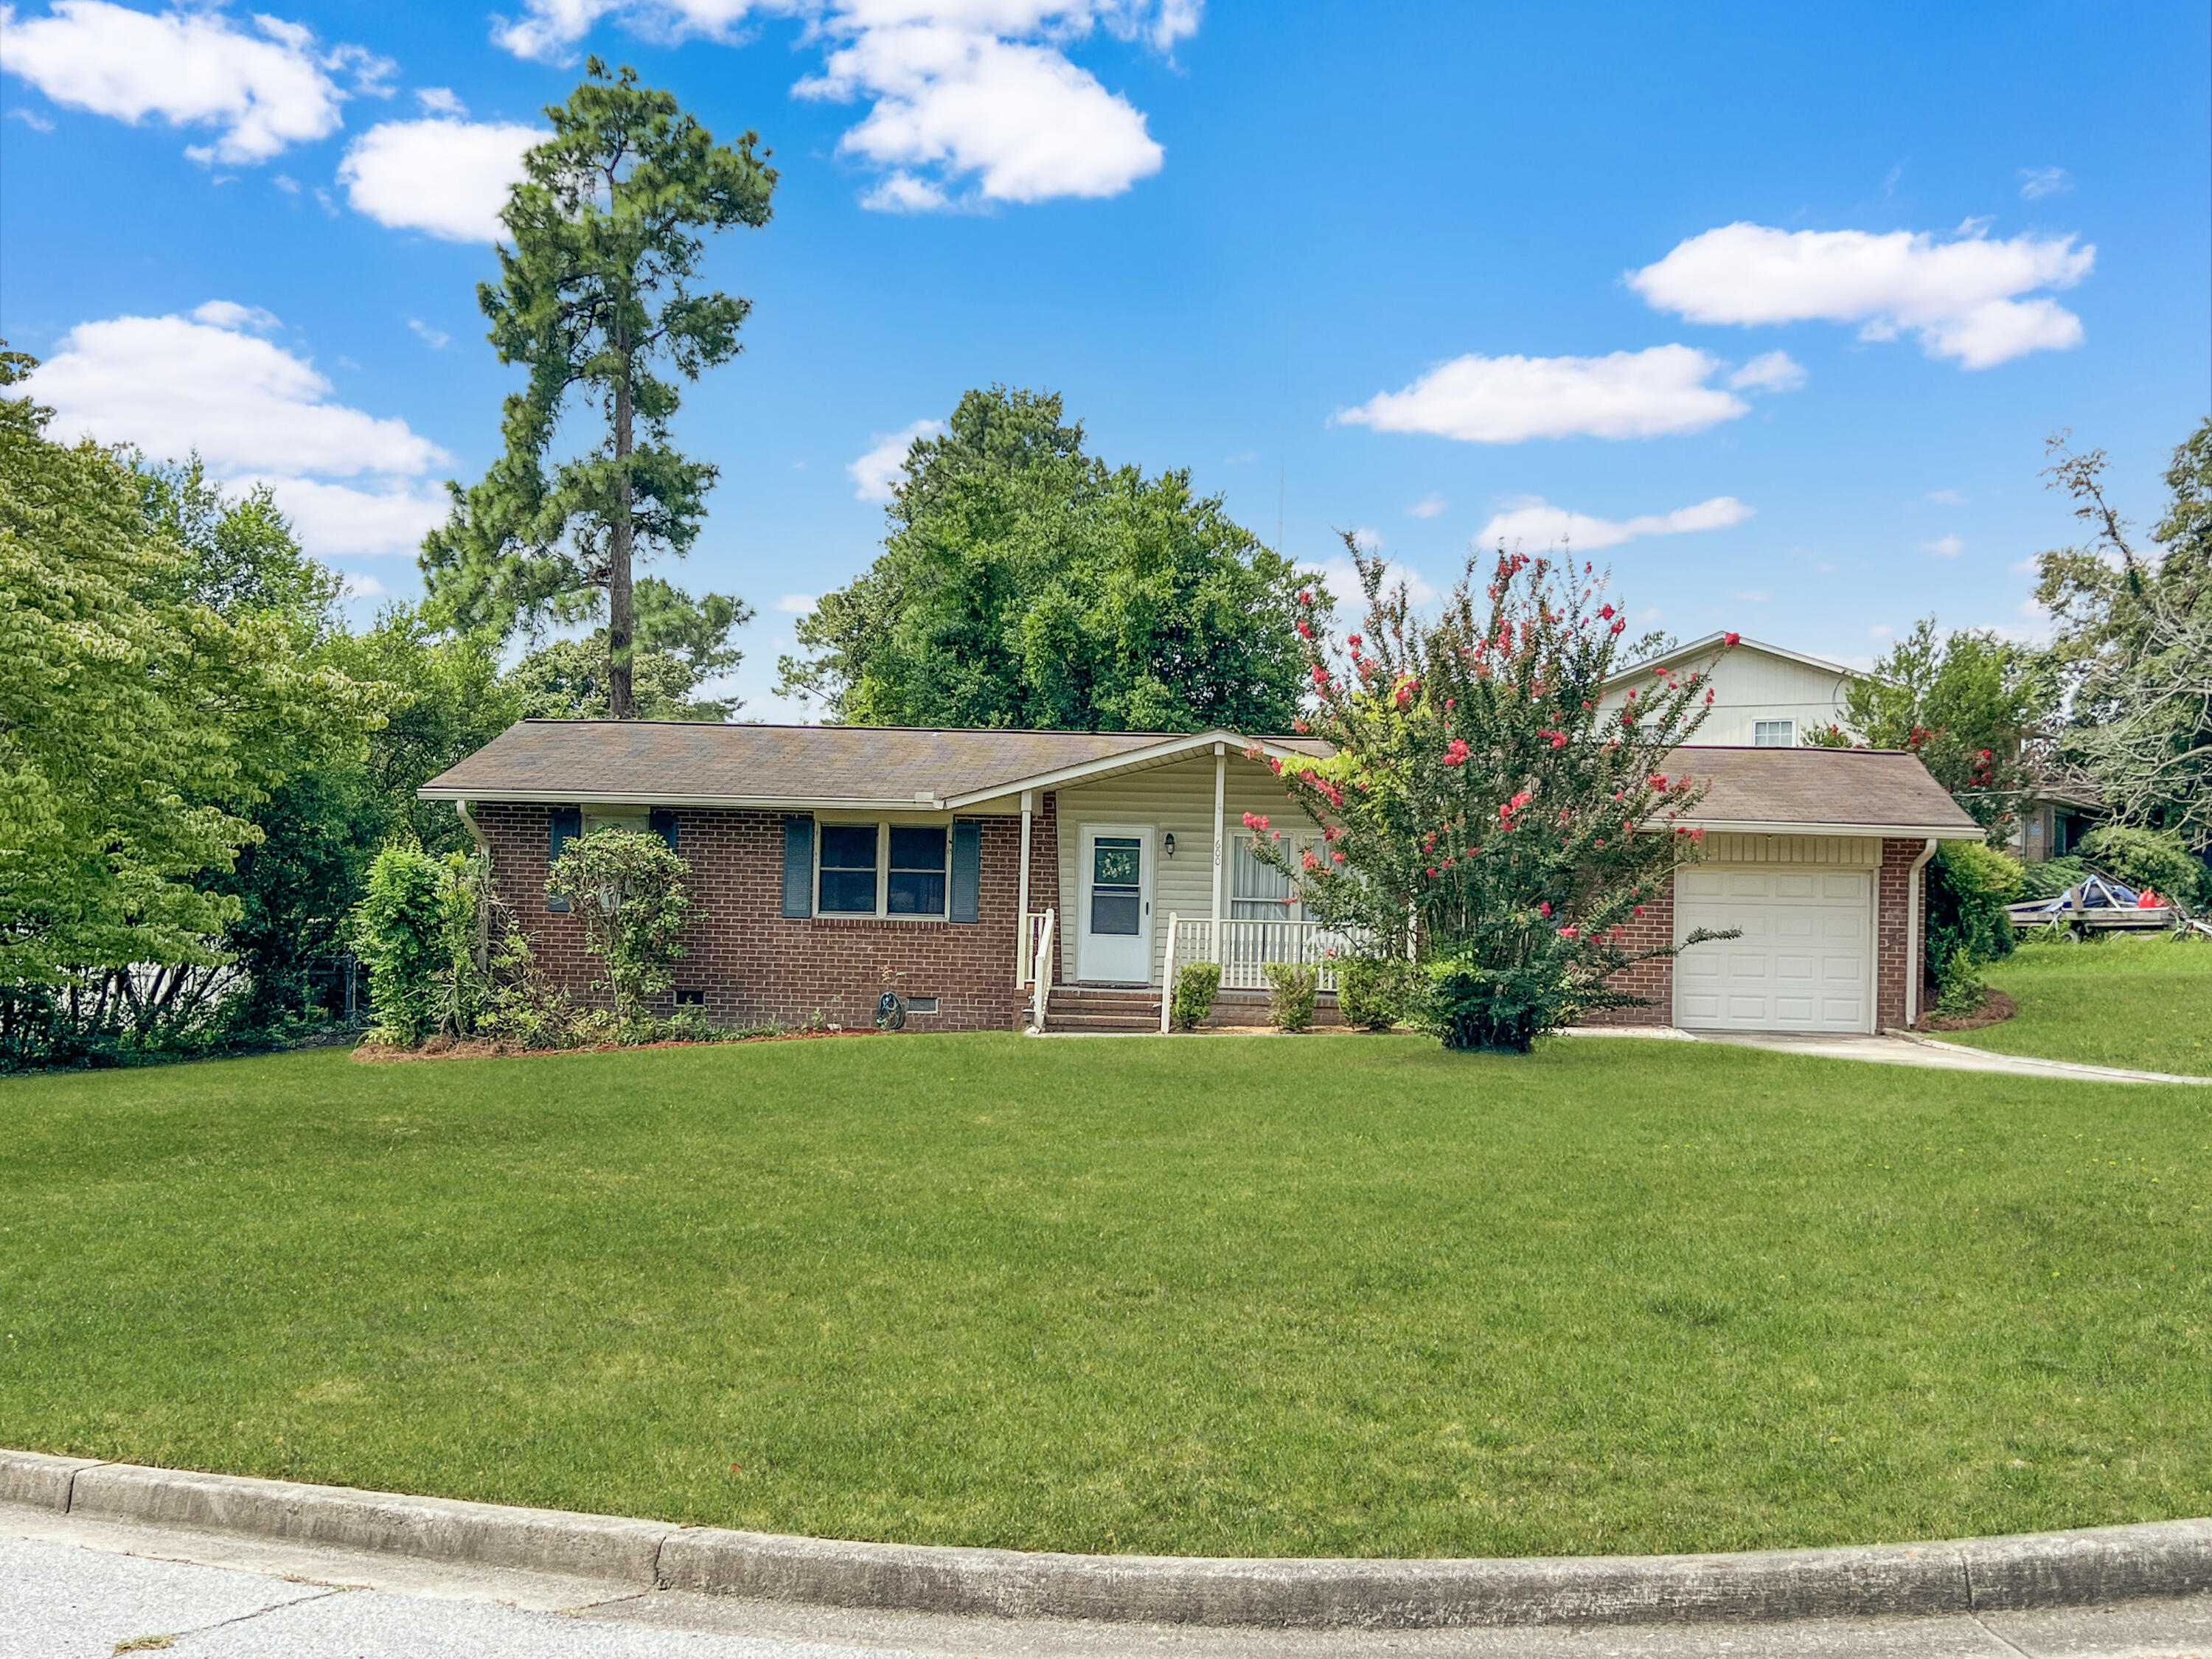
[1805, 962]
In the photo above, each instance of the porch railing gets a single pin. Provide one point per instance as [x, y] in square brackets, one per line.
[1245, 947]
[1033, 928]
[1041, 972]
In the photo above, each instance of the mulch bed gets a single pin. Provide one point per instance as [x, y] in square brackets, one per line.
[483, 1048]
[1997, 1008]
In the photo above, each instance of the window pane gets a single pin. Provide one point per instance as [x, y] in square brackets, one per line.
[1255, 880]
[849, 847]
[1114, 913]
[918, 848]
[1116, 862]
[848, 892]
[916, 893]
[1259, 911]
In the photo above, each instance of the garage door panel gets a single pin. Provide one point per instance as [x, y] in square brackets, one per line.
[1803, 960]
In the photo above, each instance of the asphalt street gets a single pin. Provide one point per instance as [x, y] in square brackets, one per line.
[74, 1590]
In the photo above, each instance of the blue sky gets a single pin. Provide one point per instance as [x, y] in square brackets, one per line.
[1779, 306]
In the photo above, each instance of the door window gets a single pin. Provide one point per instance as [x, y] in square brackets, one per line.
[1116, 891]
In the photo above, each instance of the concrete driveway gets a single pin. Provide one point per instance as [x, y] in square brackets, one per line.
[75, 1589]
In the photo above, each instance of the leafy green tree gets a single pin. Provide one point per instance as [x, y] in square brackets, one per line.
[567, 680]
[139, 728]
[595, 293]
[1480, 812]
[1975, 707]
[2134, 645]
[1023, 583]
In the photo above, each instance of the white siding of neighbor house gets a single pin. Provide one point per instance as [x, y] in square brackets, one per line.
[1748, 685]
[1178, 797]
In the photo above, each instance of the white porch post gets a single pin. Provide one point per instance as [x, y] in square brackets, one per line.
[1220, 844]
[1022, 906]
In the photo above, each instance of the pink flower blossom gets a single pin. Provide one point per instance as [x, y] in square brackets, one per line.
[1255, 820]
[1456, 752]
[1544, 909]
[1731, 639]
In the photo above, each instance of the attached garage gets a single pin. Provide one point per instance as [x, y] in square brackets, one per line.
[1805, 957]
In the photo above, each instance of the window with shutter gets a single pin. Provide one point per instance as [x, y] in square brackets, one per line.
[565, 824]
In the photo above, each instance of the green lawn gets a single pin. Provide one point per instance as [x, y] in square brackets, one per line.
[2144, 1002]
[1236, 1295]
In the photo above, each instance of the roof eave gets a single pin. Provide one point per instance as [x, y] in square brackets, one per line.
[634, 798]
[1969, 831]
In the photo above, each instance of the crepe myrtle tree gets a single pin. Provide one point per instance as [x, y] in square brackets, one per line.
[1480, 812]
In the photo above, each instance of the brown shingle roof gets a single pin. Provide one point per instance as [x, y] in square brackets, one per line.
[694, 760]
[1871, 790]
[688, 762]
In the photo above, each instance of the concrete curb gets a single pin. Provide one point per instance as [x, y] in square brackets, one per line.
[1984, 1575]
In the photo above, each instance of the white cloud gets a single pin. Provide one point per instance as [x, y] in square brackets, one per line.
[33, 119]
[447, 177]
[1770, 371]
[1015, 116]
[1944, 547]
[1959, 298]
[440, 101]
[335, 518]
[263, 89]
[1503, 400]
[2036, 183]
[255, 413]
[360, 585]
[436, 339]
[795, 604]
[1947, 498]
[1343, 578]
[876, 471]
[1531, 522]
[1753, 596]
[971, 101]
[1428, 506]
[1370, 541]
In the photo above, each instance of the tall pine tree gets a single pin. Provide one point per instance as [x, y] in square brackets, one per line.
[595, 296]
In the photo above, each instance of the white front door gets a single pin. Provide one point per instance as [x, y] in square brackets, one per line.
[1805, 962]
[1113, 934]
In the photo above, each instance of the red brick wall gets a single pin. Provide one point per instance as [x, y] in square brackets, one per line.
[754, 966]
[1892, 937]
[1654, 980]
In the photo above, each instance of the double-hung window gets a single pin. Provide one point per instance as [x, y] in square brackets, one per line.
[1258, 892]
[882, 870]
[848, 870]
[916, 887]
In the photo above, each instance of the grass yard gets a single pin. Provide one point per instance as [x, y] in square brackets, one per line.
[1218, 1295]
[2144, 1002]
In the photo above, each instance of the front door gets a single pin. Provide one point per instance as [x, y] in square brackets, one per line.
[1114, 936]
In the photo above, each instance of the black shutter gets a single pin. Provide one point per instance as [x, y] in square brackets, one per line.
[798, 867]
[967, 870]
[662, 822]
[564, 825]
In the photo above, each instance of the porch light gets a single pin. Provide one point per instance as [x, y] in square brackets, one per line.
[1167, 843]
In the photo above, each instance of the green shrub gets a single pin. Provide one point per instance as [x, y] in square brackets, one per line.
[1374, 992]
[2048, 879]
[1969, 884]
[1468, 1004]
[1291, 988]
[415, 930]
[1197, 983]
[627, 889]
[2159, 859]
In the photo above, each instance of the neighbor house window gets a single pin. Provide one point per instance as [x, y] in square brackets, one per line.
[848, 870]
[1774, 734]
[916, 887]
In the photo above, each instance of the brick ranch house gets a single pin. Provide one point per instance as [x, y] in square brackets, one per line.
[830, 863]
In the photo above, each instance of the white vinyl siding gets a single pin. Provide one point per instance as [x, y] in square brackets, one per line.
[1178, 798]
